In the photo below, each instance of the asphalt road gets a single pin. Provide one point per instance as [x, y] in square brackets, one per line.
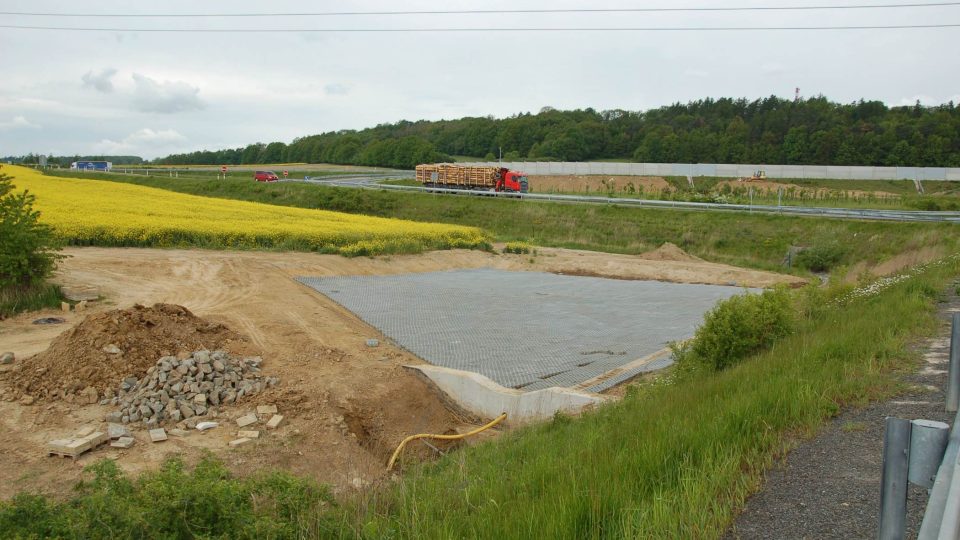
[372, 181]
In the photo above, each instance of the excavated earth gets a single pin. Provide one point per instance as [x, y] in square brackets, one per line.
[346, 405]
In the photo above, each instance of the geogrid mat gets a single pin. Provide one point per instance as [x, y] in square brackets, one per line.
[526, 330]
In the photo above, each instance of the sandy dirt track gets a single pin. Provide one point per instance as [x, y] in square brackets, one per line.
[347, 404]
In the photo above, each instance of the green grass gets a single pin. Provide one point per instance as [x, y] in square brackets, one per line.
[752, 240]
[671, 460]
[207, 502]
[18, 300]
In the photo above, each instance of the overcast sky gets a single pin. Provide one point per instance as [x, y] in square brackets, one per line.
[152, 94]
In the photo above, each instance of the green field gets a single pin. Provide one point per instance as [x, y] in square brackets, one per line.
[751, 240]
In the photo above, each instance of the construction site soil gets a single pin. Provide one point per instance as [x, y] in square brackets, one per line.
[346, 405]
[107, 347]
[593, 183]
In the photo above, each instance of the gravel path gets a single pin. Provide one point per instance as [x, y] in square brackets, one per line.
[829, 486]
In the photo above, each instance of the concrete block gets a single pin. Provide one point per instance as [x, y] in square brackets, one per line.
[177, 432]
[266, 409]
[485, 398]
[248, 434]
[203, 426]
[64, 307]
[116, 431]
[157, 435]
[274, 422]
[76, 446]
[81, 306]
[246, 420]
[123, 442]
[239, 442]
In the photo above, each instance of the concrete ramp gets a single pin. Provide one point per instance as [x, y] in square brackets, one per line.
[482, 397]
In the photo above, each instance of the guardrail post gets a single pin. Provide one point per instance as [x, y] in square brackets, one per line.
[953, 377]
[928, 441]
[893, 483]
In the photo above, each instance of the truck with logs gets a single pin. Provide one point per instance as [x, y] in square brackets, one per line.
[449, 176]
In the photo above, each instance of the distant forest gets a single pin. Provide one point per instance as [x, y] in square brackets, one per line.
[812, 131]
[65, 161]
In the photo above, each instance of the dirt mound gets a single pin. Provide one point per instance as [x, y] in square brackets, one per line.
[597, 183]
[107, 347]
[670, 252]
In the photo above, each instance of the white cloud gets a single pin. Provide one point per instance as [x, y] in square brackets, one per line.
[101, 82]
[928, 100]
[143, 141]
[336, 89]
[772, 68]
[19, 122]
[165, 97]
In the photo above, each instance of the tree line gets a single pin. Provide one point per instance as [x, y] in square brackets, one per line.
[65, 161]
[813, 131]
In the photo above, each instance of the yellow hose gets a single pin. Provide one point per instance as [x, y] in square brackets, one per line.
[396, 453]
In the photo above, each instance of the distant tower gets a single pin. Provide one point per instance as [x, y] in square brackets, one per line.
[796, 94]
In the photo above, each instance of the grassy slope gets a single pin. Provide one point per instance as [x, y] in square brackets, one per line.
[673, 461]
[753, 240]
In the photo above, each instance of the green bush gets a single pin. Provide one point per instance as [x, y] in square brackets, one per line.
[519, 248]
[821, 258]
[14, 300]
[738, 327]
[171, 503]
[28, 248]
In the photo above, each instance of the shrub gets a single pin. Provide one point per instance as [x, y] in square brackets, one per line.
[517, 247]
[172, 503]
[28, 248]
[821, 258]
[737, 327]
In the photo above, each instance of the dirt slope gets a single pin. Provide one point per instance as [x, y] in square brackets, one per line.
[347, 405]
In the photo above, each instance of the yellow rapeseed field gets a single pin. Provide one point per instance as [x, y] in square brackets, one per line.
[103, 213]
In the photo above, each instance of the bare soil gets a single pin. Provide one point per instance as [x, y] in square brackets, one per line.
[595, 183]
[770, 187]
[346, 405]
[895, 264]
[82, 357]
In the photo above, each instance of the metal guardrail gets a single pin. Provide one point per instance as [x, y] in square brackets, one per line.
[847, 213]
[728, 170]
[941, 520]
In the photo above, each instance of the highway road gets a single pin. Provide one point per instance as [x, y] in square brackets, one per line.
[373, 181]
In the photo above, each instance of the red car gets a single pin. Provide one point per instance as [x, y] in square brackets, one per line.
[265, 176]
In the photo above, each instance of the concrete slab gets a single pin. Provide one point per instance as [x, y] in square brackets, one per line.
[247, 420]
[485, 398]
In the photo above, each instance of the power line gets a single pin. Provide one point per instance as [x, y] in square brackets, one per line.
[493, 11]
[485, 30]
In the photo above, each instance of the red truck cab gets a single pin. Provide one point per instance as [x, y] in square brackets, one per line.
[512, 181]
